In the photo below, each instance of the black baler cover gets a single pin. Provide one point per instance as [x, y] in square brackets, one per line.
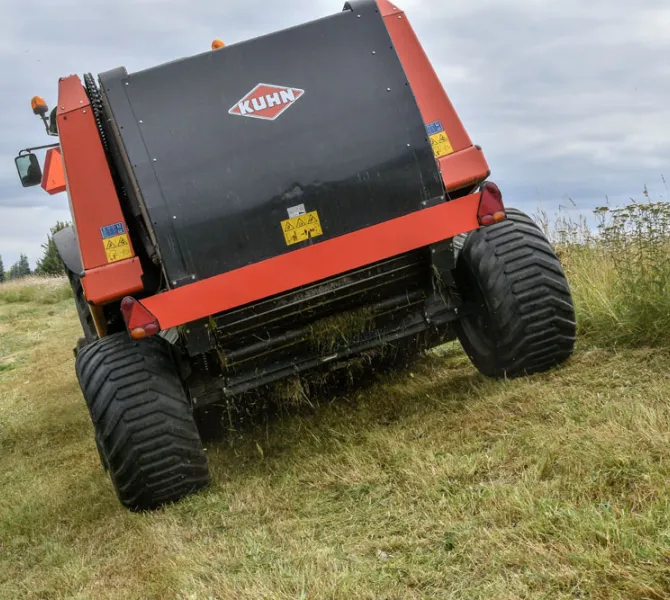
[217, 186]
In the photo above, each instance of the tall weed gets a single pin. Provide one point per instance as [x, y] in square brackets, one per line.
[619, 271]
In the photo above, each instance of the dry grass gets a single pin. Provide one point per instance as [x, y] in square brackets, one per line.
[35, 289]
[433, 484]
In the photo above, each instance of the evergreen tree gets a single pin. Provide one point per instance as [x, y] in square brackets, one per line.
[13, 272]
[24, 266]
[2, 270]
[51, 262]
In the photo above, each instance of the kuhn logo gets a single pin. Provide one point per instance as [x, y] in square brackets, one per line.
[266, 101]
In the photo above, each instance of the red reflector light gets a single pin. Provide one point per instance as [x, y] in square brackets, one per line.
[139, 321]
[491, 209]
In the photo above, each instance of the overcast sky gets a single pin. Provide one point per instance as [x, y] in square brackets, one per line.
[568, 98]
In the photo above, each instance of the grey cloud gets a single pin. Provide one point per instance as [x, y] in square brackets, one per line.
[566, 98]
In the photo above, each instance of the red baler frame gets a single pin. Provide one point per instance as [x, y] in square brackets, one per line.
[95, 204]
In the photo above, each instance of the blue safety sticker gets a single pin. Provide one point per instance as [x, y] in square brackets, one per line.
[434, 128]
[110, 231]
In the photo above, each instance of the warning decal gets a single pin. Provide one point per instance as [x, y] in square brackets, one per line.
[117, 248]
[115, 241]
[439, 140]
[301, 228]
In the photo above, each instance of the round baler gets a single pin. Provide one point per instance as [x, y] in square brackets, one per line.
[279, 208]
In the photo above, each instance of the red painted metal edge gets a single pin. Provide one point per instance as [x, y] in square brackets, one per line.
[432, 99]
[314, 263]
[387, 8]
[431, 96]
[110, 273]
[464, 167]
[113, 281]
[90, 185]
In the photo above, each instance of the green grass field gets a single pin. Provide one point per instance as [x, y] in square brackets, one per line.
[436, 483]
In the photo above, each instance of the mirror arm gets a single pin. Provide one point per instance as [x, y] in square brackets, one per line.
[46, 125]
[29, 150]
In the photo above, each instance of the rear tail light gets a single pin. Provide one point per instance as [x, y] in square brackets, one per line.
[491, 209]
[139, 321]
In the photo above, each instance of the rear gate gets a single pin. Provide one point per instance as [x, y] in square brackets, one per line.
[339, 141]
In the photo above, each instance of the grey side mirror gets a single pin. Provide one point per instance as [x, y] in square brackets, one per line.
[29, 169]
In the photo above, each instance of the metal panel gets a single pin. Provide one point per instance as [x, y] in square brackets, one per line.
[68, 248]
[93, 197]
[319, 262]
[217, 185]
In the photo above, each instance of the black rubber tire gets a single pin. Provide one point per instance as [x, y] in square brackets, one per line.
[144, 426]
[524, 317]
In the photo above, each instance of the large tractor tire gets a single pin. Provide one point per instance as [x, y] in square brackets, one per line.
[144, 426]
[519, 315]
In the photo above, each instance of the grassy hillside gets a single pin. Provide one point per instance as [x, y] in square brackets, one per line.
[437, 483]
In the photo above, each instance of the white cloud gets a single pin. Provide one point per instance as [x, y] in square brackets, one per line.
[24, 230]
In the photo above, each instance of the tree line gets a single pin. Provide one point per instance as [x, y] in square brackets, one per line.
[49, 264]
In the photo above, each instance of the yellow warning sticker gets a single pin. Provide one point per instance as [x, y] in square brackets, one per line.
[301, 228]
[441, 144]
[117, 248]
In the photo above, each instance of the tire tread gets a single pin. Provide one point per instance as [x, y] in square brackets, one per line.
[143, 421]
[532, 316]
